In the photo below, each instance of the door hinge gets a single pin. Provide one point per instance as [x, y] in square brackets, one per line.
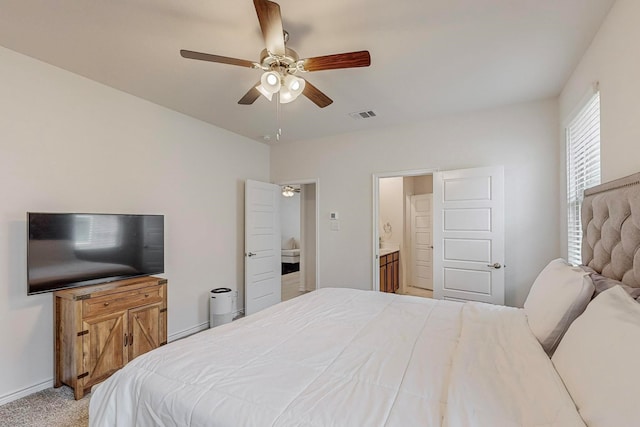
[162, 310]
[83, 375]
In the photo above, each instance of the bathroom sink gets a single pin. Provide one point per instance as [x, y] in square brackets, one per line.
[387, 249]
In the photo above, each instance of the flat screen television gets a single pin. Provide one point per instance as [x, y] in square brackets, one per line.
[66, 250]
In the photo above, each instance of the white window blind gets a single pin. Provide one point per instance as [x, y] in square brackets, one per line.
[583, 169]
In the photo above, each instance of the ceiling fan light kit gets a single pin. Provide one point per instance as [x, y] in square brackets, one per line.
[270, 81]
[280, 63]
[291, 88]
[289, 191]
[263, 92]
[288, 86]
[269, 84]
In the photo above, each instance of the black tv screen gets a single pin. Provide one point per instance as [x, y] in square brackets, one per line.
[66, 250]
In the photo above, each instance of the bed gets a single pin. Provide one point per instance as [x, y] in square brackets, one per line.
[290, 256]
[344, 357]
[290, 260]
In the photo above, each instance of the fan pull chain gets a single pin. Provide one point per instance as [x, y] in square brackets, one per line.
[279, 132]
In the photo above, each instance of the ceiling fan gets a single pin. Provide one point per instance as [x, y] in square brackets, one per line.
[282, 64]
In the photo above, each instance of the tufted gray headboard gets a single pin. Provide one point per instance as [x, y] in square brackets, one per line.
[611, 229]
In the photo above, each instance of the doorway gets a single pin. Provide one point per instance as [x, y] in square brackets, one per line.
[403, 224]
[298, 226]
[468, 235]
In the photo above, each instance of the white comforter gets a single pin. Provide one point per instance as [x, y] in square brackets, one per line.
[342, 357]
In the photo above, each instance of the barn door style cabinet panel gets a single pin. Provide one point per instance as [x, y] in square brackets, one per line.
[98, 329]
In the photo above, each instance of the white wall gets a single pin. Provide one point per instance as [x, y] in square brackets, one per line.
[523, 138]
[290, 219]
[613, 61]
[69, 144]
[392, 211]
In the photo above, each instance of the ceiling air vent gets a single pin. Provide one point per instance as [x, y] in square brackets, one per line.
[362, 115]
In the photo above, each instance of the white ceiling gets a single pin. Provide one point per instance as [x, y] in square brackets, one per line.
[429, 57]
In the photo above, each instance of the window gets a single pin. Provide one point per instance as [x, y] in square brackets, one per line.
[583, 169]
[96, 231]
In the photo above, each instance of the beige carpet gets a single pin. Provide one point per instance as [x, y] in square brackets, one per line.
[53, 407]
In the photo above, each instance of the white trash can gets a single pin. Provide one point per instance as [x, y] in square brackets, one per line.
[220, 307]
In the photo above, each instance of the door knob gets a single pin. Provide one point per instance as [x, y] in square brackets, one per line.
[495, 265]
[250, 254]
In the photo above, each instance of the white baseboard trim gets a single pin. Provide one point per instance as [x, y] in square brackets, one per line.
[198, 328]
[187, 332]
[10, 397]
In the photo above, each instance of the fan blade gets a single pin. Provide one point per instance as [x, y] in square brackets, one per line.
[251, 96]
[271, 25]
[215, 58]
[317, 97]
[340, 60]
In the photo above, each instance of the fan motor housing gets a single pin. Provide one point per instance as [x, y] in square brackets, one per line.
[288, 60]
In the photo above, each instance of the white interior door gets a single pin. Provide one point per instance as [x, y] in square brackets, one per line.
[262, 279]
[469, 234]
[422, 241]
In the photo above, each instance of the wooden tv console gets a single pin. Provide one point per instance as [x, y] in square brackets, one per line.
[98, 329]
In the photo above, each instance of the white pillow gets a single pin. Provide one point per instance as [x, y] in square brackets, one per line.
[597, 357]
[559, 294]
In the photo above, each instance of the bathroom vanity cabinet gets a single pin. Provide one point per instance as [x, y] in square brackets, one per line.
[390, 272]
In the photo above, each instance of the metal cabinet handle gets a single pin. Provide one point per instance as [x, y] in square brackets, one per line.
[496, 265]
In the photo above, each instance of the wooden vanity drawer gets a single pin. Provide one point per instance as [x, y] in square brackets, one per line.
[121, 301]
